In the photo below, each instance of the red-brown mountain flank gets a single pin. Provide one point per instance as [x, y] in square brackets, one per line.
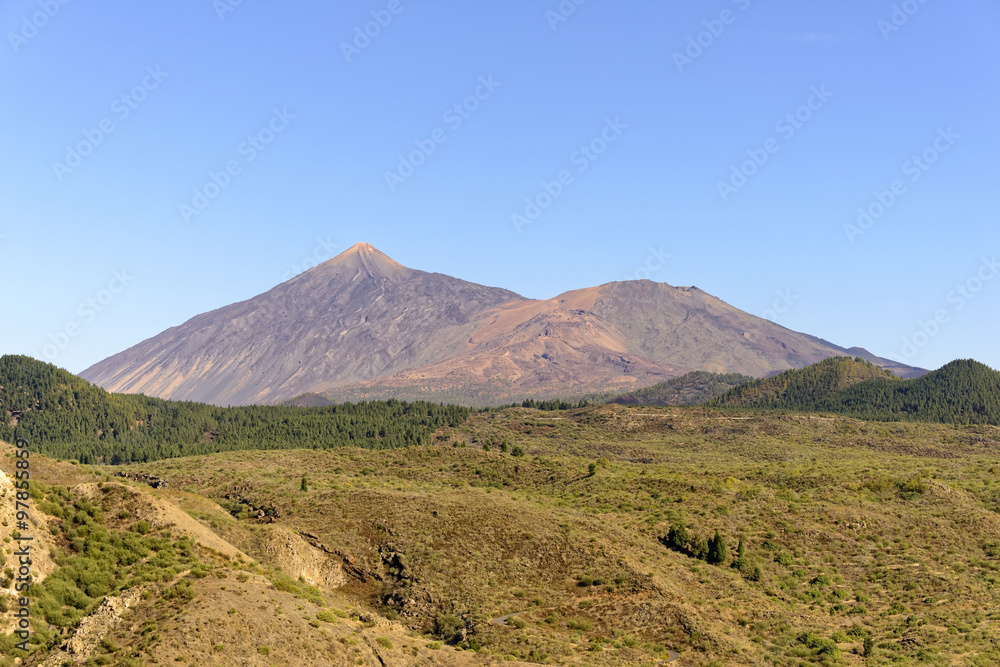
[362, 325]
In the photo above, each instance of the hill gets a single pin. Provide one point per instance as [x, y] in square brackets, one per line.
[961, 392]
[63, 415]
[689, 389]
[545, 537]
[801, 389]
[362, 327]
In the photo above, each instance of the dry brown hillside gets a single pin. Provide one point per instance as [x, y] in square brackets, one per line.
[277, 602]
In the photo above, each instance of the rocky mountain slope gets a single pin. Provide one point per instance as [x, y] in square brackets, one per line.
[363, 326]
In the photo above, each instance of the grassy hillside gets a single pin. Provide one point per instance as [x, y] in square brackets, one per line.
[850, 531]
[65, 416]
[690, 389]
[961, 392]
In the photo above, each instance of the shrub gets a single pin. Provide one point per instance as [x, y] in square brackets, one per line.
[383, 642]
[699, 548]
[448, 627]
[909, 488]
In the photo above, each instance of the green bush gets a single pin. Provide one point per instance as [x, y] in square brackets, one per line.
[448, 627]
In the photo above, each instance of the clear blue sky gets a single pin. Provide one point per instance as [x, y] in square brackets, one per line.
[330, 121]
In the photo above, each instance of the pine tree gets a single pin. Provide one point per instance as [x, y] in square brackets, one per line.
[741, 558]
[678, 537]
[716, 550]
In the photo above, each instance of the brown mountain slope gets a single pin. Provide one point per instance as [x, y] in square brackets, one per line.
[362, 325]
[359, 316]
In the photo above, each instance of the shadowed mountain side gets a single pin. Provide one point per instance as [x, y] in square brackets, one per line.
[690, 389]
[362, 324]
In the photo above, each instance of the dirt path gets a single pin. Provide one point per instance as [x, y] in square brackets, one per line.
[502, 620]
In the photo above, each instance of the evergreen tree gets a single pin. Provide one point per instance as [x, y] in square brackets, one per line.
[716, 549]
[699, 548]
[741, 558]
[678, 537]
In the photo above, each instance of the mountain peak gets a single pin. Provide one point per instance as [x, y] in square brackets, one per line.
[362, 249]
[366, 258]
